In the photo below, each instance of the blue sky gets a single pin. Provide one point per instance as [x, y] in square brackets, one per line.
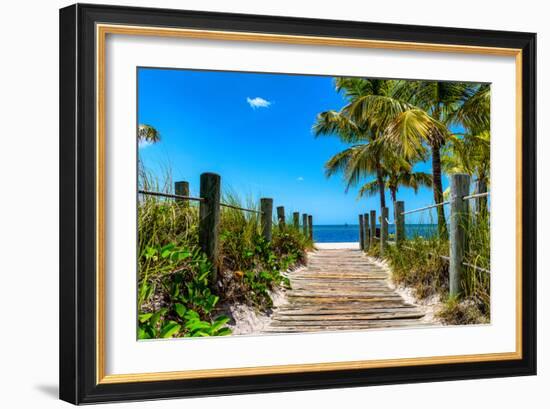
[255, 131]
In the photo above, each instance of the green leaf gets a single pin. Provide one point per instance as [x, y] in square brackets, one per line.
[165, 251]
[191, 315]
[182, 255]
[197, 325]
[143, 291]
[180, 310]
[200, 334]
[213, 300]
[223, 332]
[175, 290]
[218, 323]
[142, 334]
[204, 275]
[150, 252]
[169, 329]
[155, 318]
[145, 317]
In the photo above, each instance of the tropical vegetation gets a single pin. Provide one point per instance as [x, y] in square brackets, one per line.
[177, 293]
[391, 126]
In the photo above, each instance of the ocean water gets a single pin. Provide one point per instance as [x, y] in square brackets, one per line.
[350, 232]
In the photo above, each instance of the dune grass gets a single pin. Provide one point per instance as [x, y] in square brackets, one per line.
[417, 264]
[177, 296]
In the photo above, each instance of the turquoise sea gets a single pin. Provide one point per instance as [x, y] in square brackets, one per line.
[350, 232]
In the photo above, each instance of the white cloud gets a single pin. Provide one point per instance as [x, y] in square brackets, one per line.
[300, 179]
[258, 102]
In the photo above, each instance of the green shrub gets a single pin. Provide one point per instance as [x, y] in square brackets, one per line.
[175, 298]
[176, 294]
[417, 264]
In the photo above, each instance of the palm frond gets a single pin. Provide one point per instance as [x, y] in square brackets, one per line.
[413, 127]
[334, 123]
[147, 133]
[368, 189]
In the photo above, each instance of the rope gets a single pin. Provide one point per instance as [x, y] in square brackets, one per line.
[197, 199]
[468, 197]
[447, 258]
[241, 208]
[475, 195]
[171, 196]
[426, 208]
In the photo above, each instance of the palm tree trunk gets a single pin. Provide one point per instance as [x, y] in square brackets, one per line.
[438, 190]
[381, 187]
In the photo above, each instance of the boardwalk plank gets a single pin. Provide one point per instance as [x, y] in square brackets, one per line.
[342, 290]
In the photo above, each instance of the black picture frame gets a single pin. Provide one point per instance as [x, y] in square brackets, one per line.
[78, 382]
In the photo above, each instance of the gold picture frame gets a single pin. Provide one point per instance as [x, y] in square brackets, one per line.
[98, 22]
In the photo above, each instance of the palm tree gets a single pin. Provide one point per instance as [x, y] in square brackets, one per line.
[147, 133]
[358, 162]
[400, 174]
[366, 156]
[470, 154]
[418, 113]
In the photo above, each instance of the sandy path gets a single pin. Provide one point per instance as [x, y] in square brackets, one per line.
[342, 289]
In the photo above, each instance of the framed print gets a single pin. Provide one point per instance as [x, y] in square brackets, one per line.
[257, 203]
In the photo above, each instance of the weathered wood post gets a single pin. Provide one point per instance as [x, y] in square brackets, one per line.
[296, 220]
[266, 221]
[361, 233]
[209, 218]
[373, 228]
[383, 230]
[399, 218]
[281, 217]
[460, 184]
[310, 226]
[304, 224]
[181, 188]
[366, 229]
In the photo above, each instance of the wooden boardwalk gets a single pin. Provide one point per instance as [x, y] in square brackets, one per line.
[341, 289]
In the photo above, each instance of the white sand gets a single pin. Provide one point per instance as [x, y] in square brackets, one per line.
[335, 246]
[429, 306]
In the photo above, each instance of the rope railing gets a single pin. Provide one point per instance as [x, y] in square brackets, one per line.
[241, 208]
[170, 195]
[467, 197]
[425, 208]
[193, 198]
[210, 214]
[447, 258]
[457, 229]
[476, 195]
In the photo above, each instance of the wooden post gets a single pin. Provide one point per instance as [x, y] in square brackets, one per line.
[266, 221]
[366, 229]
[296, 219]
[310, 226]
[209, 218]
[399, 218]
[383, 230]
[281, 216]
[373, 227]
[361, 233]
[181, 188]
[304, 224]
[460, 184]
